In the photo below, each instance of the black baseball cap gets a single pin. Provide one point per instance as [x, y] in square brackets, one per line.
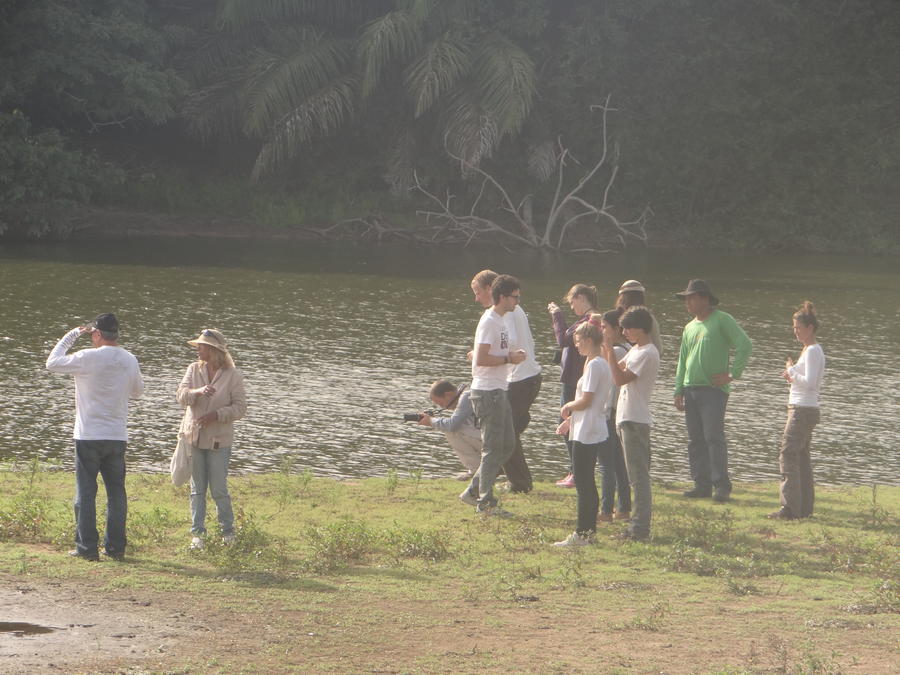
[108, 323]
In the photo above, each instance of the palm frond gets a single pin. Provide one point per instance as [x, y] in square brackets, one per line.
[278, 82]
[542, 160]
[319, 115]
[396, 35]
[470, 132]
[436, 71]
[506, 80]
[401, 163]
[221, 51]
[215, 111]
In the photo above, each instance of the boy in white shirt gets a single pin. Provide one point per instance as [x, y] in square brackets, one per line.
[635, 376]
[491, 357]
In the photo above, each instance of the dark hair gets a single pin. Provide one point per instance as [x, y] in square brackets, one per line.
[628, 299]
[589, 293]
[612, 316]
[806, 314]
[637, 317]
[504, 284]
[441, 387]
[484, 278]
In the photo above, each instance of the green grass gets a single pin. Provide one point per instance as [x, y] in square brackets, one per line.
[372, 563]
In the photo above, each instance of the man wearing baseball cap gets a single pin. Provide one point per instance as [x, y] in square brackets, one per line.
[702, 386]
[106, 376]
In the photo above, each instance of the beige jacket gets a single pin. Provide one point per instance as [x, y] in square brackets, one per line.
[229, 402]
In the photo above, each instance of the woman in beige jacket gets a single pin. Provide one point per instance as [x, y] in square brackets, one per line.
[212, 393]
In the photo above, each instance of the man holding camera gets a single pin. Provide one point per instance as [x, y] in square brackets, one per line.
[105, 378]
[491, 358]
[460, 428]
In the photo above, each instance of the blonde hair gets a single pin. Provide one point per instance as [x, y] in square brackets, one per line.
[484, 278]
[590, 329]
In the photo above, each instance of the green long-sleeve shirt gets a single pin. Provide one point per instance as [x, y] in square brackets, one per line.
[705, 350]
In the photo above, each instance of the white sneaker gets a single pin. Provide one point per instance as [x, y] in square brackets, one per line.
[574, 539]
[464, 475]
[197, 544]
[228, 539]
[467, 497]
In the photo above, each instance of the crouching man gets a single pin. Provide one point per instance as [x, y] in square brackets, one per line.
[460, 428]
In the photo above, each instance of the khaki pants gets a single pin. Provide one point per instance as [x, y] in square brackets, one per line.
[466, 447]
[797, 489]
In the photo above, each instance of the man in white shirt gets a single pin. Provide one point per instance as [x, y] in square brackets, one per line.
[105, 378]
[491, 357]
[524, 379]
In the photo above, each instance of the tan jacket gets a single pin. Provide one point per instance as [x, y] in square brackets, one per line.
[229, 402]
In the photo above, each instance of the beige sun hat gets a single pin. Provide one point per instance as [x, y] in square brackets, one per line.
[632, 285]
[211, 337]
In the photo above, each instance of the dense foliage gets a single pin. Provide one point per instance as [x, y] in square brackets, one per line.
[742, 123]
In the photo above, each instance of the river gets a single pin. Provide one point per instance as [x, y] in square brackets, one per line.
[338, 341]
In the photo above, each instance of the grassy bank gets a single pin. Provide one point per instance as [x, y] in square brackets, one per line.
[395, 575]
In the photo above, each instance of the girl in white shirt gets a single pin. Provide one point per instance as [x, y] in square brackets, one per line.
[805, 378]
[584, 421]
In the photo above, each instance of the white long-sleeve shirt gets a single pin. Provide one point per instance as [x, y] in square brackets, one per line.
[105, 378]
[807, 375]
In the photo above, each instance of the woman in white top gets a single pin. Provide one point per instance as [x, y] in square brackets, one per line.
[212, 393]
[584, 421]
[805, 378]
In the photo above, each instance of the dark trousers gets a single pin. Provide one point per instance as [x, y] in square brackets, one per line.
[797, 486]
[585, 459]
[108, 459]
[521, 395]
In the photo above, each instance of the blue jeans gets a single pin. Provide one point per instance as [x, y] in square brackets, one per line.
[704, 414]
[108, 459]
[210, 468]
[607, 461]
[498, 441]
[622, 487]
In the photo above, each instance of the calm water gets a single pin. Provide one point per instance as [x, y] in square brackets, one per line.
[337, 342]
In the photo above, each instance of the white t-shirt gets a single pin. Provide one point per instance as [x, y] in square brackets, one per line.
[808, 373]
[634, 397]
[492, 330]
[520, 338]
[105, 378]
[588, 426]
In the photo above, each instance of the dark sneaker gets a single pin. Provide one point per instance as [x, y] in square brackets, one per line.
[721, 496]
[118, 557]
[784, 513]
[697, 493]
[84, 556]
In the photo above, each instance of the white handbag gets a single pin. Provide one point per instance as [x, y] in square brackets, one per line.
[180, 466]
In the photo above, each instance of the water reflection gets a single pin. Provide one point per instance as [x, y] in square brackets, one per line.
[337, 342]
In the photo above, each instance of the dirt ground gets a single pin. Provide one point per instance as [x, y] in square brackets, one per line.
[101, 631]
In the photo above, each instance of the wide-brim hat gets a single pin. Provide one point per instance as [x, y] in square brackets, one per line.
[632, 285]
[698, 287]
[211, 337]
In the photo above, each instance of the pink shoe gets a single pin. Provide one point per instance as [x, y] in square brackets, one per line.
[567, 482]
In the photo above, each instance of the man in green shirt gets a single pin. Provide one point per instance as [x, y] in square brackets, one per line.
[701, 386]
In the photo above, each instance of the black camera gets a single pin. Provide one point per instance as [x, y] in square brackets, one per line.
[415, 417]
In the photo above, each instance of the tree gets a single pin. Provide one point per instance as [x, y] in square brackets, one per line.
[290, 71]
